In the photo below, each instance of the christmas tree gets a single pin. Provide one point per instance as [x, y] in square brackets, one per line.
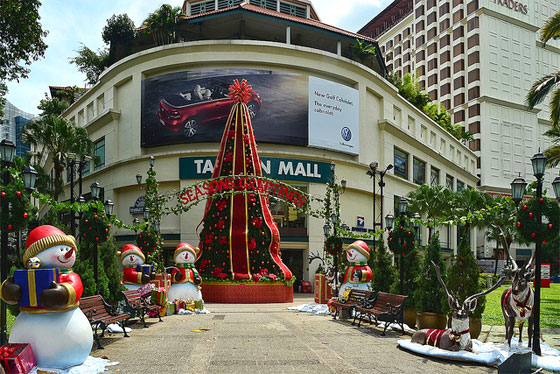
[430, 296]
[383, 269]
[240, 240]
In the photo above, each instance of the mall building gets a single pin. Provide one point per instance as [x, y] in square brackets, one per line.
[313, 104]
[478, 58]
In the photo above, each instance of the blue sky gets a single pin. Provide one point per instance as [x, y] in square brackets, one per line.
[73, 22]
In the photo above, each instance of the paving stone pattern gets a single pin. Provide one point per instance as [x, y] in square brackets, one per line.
[265, 338]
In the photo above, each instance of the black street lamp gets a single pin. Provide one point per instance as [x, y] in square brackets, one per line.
[72, 161]
[389, 221]
[7, 152]
[146, 214]
[95, 188]
[518, 186]
[109, 205]
[416, 225]
[403, 205]
[373, 172]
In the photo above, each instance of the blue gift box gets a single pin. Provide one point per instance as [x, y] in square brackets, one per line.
[33, 282]
[146, 269]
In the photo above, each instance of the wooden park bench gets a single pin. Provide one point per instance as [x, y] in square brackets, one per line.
[100, 315]
[386, 307]
[137, 306]
[355, 297]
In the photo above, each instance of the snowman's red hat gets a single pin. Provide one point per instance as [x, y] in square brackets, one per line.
[130, 249]
[44, 237]
[360, 246]
[187, 247]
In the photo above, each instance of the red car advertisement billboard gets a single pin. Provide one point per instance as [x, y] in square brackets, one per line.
[193, 106]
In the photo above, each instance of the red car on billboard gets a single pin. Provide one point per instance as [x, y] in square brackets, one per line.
[188, 110]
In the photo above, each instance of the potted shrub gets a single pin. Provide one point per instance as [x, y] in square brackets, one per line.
[410, 284]
[430, 297]
[383, 269]
[463, 281]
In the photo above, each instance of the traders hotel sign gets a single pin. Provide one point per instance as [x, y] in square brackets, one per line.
[513, 5]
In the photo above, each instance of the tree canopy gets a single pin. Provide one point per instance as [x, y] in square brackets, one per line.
[21, 41]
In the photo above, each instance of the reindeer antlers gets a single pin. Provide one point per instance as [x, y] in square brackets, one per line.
[506, 247]
[451, 299]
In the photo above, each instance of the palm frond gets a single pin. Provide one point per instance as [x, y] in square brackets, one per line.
[555, 109]
[552, 156]
[541, 88]
[551, 28]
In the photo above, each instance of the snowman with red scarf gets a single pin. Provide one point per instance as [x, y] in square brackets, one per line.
[131, 257]
[59, 333]
[184, 277]
[358, 274]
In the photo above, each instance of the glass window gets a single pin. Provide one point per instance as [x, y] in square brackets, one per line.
[434, 177]
[419, 171]
[401, 163]
[460, 186]
[449, 181]
[99, 152]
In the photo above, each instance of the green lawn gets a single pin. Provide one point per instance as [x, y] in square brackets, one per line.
[550, 307]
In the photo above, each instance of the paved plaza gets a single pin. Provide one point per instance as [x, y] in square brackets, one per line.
[268, 338]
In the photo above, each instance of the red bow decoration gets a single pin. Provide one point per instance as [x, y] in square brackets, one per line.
[7, 351]
[240, 92]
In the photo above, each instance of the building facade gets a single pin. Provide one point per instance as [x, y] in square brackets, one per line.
[12, 125]
[312, 106]
[478, 58]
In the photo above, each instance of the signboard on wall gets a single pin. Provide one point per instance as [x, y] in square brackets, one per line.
[276, 168]
[333, 116]
[193, 107]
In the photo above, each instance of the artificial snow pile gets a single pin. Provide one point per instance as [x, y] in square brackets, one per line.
[314, 308]
[196, 311]
[92, 365]
[492, 354]
[114, 328]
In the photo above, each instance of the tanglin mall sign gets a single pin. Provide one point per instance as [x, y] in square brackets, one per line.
[514, 5]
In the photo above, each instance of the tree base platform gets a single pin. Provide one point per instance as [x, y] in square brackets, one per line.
[246, 292]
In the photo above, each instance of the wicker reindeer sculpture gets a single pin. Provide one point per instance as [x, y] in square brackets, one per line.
[517, 301]
[458, 337]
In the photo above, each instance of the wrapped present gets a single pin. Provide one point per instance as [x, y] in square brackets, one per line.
[146, 269]
[323, 291]
[33, 282]
[180, 304]
[162, 280]
[146, 290]
[199, 304]
[153, 313]
[159, 296]
[171, 308]
[189, 305]
[17, 358]
[163, 311]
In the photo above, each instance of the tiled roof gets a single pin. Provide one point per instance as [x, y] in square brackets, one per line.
[273, 13]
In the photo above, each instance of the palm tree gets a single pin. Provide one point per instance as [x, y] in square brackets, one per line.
[56, 137]
[163, 24]
[500, 224]
[545, 85]
[434, 202]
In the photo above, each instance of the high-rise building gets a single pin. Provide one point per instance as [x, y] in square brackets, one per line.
[12, 126]
[478, 58]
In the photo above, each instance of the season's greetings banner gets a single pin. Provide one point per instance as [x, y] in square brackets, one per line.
[192, 107]
[242, 184]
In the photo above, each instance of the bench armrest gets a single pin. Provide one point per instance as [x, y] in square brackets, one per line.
[394, 309]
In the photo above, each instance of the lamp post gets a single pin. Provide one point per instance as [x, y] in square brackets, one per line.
[85, 159]
[95, 188]
[416, 225]
[373, 175]
[333, 215]
[403, 205]
[518, 186]
[7, 151]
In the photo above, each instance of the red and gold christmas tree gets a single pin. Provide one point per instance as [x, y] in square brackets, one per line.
[240, 239]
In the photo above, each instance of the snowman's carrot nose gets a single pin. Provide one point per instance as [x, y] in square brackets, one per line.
[69, 253]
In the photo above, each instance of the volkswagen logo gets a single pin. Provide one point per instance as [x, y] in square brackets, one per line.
[346, 133]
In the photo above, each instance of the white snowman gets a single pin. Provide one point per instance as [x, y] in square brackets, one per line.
[59, 333]
[358, 274]
[185, 279]
[131, 256]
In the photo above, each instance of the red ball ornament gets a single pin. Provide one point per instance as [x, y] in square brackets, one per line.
[524, 207]
[541, 200]
[390, 239]
[109, 225]
[401, 227]
[90, 227]
[533, 235]
[84, 235]
[413, 242]
[18, 193]
[550, 225]
[24, 215]
[95, 216]
[106, 238]
[106, 230]
[86, 221]
[518, 224]
[3, 194]
[403, 254]
[404, 244]
[544, 241]
[530, 215]
[96, 239]
[9, 227]
[409, 233]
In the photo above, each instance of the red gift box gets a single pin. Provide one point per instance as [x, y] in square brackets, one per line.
[163, 281]
[323, 291]
[17, 358]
